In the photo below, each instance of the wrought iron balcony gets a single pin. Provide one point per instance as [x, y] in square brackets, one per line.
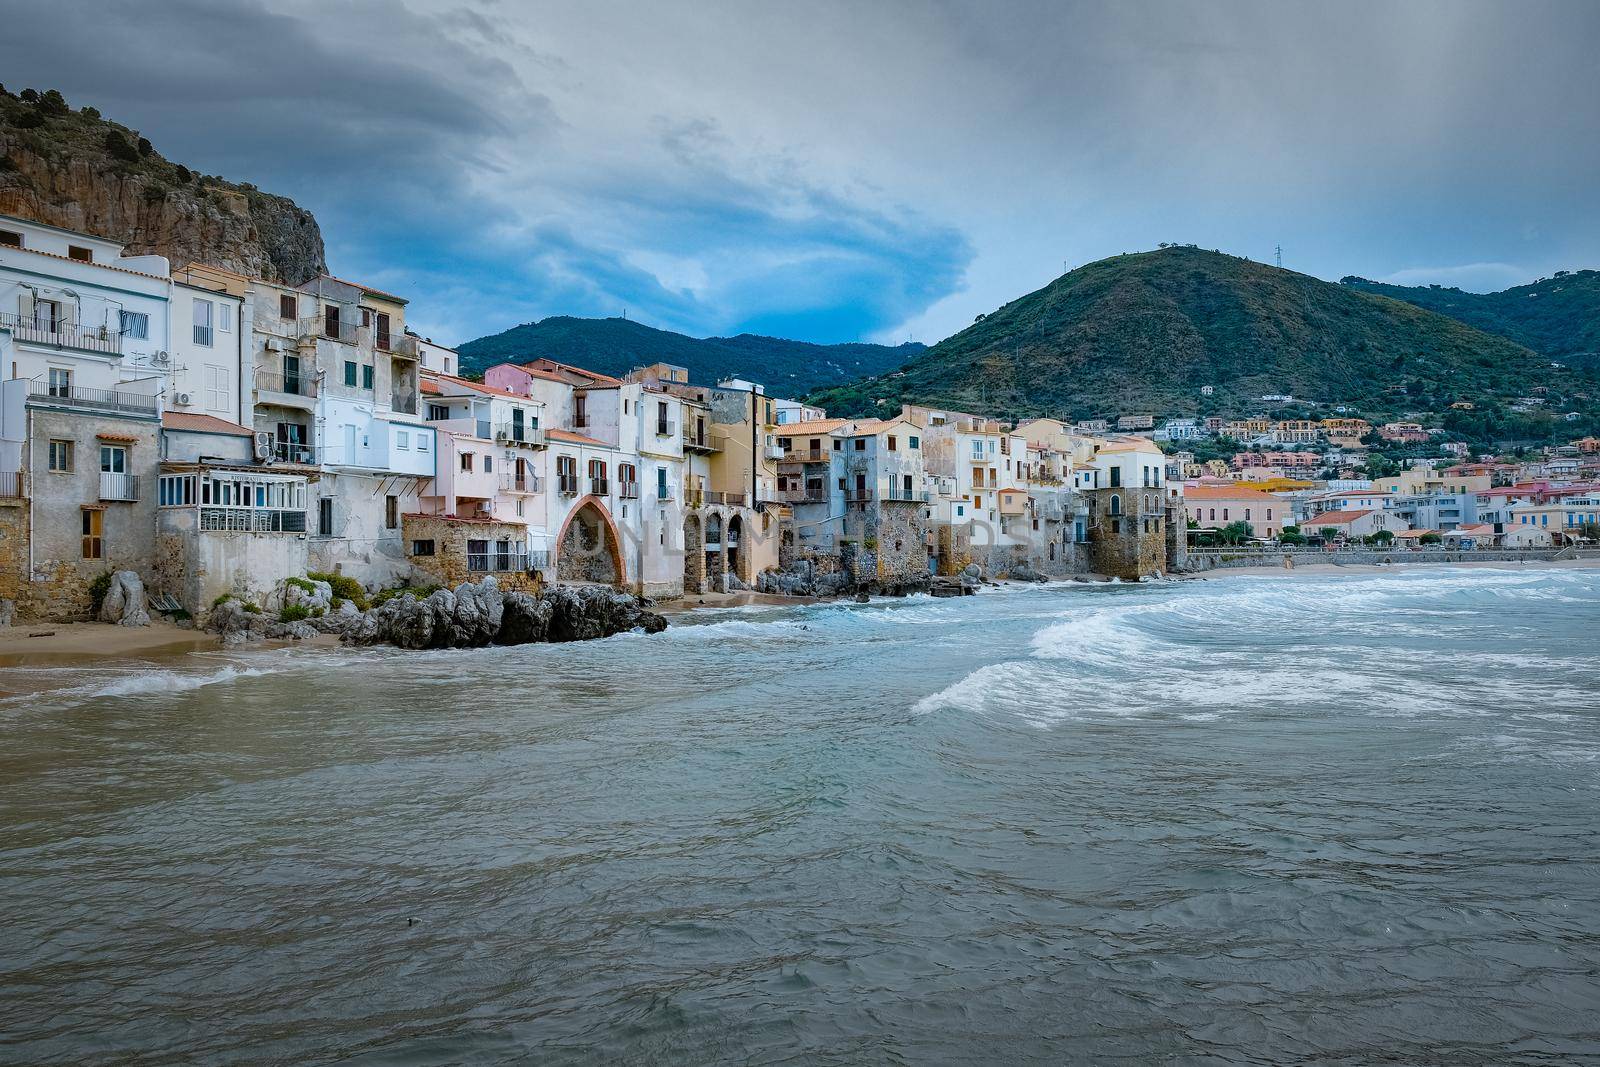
[291, 384]
[599, 486]
[567, 484]
[49, 330]
[628, 490]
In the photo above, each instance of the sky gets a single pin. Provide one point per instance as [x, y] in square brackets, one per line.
[841, 171]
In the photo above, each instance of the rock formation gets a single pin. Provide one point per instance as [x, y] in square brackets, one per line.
[76, 170]
[474, 615]
[124, 602]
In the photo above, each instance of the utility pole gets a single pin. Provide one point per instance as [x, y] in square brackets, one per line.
[1279, 254]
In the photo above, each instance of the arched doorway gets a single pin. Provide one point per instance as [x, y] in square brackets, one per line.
[739, 553]
[694, 558]
[716, 562]
[589, 549]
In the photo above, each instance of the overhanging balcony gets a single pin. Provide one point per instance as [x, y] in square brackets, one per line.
[700, 441]
[111, 400]
[44, 330]
[511, 433]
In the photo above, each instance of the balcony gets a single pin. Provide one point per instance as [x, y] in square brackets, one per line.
[628, 490]
[508, 562]
[600, 486]
[286, 390]
[320, 326]
[567, 484]
[664, 494]
[119, 487]
[10, 485]
[738, 500]
[700, 441]
[773, 451]
[855, 495]
[252, 520]
[286, 451]
[902, 495]
[527, 483]
[511, 433]
[42, 329]
[666, 429]
[115, 400]
[580, 420]
[803, 496]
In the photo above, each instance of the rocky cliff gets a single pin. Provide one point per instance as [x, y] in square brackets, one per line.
[75, 169]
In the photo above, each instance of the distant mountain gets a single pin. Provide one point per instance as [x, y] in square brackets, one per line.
[616, 346]
[75, 169]
[1143, 333]
[1557, 317]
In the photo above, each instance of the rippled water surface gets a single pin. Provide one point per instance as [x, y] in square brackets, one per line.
[1258, 820]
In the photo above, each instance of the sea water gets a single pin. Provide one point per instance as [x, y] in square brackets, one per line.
[1333, 819]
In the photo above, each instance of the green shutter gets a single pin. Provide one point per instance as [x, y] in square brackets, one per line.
[349, 374]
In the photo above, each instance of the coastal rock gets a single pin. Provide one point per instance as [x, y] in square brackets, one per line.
[291, 631]
[235, 625]
[1022, 572]
[477, 614]
[124, 602]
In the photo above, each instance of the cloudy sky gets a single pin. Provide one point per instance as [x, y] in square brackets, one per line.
[844, 171]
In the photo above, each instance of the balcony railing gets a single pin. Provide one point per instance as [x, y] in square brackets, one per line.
[10, 485]
[527, 483]
[43, 329]
[94, 399]
[773, 451]
[119, 486]
[580, 420]
[292, 384]
[902, 495]
[628, 490]
[567, 484]
[857, 496]
[512, 434]
[703, 442]
[292, 452]
[599, 486]
[803, 496]
[664, 494]
[491, 562]
[252, 520]
[341, 331]
[738, 500]
[666, 429]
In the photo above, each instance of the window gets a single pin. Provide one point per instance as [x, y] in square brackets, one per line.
[447, 364]
[288, 307]
[488, 464]
[861, 444]
[422, 441]
[366, 376]
[134, 324]
[837, 444]
[438, 413]
[1116, 477]
[61, 456]
[202, 323]
[350, 373]
[47, 315]
[217, 388]
[113, 459]
[10, 238]
[391, 512]
[60, 382]
[177, 490]
[1224, 514]
[383, 331]
[914, 441]
[224, 317]
[894, 444]
[93, 534]
[466, 461]
[80, 253]
[402, 440]
[422, 548]
[330, 321]
[325, 516]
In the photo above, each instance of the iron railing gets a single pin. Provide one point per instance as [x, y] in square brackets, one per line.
[567, 484]
[704, 442]
[292, 384]
[628, 490]
[44, 329]
[118, 486]
[599, 486]
[664, 494]
[528, 483]
[94, 399]
[10, 485]
[509, 561]
[293, 452]
[252, 520]
[511, 433]
[902, 495]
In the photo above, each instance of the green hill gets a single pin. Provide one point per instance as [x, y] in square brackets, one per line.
[1143, 333]
[1557, 317]
[616, 346]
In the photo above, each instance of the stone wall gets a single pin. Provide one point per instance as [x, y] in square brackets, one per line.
[197, 566]
[447, 566]
[1127, 532]
[13, 548]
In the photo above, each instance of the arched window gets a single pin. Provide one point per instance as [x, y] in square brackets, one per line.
[1116, 505]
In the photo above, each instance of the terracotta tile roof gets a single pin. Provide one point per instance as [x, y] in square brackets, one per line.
[810, 429]
[369, 290]
[547, 365]
[431, 386]
[1336, 518]
[183, 420]
[116, 437]
[479, 387]
[575, 438]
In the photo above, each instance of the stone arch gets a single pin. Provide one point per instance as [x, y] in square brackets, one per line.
[715, 555]
[589, 548]
[739, 549]
[694, 557]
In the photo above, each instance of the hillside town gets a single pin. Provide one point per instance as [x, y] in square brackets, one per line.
[219, 435]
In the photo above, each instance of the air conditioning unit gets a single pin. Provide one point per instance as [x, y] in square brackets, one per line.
[501, 437]
[264, 447]
[274, 344]
[161, 359]
[183, 399]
